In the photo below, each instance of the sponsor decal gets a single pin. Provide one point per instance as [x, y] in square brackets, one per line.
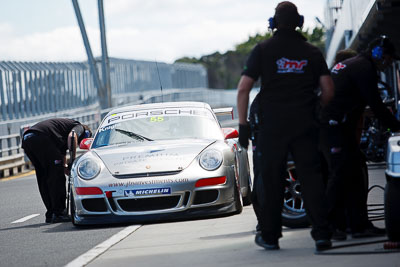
[147, 192]
[28, 135]
[290, 66]
[108, 128]
[333, 122]
[148, 182]
[144, 157]
[335, 150]
[338, 67]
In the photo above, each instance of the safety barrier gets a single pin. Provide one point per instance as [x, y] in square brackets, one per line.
[30, 89]
[12, 159]
[33, 89]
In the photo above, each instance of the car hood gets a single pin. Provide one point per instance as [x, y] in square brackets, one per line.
[150, 157]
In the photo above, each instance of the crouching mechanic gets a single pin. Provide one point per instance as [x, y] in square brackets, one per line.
[291, 69]
[45, 144]
[356, 87]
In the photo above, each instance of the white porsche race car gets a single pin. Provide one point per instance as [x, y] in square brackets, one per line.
[161, 161]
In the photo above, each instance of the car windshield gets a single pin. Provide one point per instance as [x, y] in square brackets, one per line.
[157, 124]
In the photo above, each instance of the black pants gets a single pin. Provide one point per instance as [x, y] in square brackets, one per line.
[258, 182]
[49, 167]
[274, 144]
[347, 184]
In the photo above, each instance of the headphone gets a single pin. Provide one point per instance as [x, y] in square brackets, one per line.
[377, 51]
[86, 134]
[273, 24]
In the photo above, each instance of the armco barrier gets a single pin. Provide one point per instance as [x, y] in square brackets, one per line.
[12, 159]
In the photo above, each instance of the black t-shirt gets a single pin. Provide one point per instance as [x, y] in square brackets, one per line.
[58, 130]
[356, 82]
[290, 69]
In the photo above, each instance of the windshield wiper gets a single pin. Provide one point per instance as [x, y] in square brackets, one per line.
[133, 135]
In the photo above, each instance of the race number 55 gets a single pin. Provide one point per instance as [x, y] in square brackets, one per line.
[156, 119]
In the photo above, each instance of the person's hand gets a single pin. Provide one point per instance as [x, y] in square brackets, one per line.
[244, 135]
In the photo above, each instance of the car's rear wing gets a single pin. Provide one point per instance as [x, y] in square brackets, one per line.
[223, 111]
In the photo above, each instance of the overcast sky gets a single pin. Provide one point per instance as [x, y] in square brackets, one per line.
[162, 30]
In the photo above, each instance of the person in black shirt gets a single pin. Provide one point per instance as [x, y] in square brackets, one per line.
[45, 144]
[338, 220]
[355, 82]
[291, 69]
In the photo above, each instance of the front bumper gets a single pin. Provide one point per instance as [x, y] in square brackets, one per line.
[194, 213]
[183, 201]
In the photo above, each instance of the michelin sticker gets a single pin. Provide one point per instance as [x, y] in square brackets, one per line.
[147, 192]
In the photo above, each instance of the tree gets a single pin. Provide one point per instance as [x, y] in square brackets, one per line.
[224, 70]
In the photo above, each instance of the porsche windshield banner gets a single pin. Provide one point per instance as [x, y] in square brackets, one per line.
[139, 114]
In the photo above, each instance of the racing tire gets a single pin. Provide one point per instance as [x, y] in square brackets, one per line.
[73, 210]
[392, 209]
[295, 221]
[247, 198]
[238, 200]
[293, 211]
[237, 194]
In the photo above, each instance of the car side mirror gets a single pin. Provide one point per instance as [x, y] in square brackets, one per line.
[86, 143]
[230, 133]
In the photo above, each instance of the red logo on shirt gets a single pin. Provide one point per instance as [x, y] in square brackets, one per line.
[286, 65]
[338, 67]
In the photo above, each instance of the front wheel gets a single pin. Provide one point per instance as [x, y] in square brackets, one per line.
[247, 198]
[293, 211]
[238, 200]
[73, 209]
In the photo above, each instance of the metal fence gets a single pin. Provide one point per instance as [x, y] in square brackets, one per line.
[29, 89]
[11, 155]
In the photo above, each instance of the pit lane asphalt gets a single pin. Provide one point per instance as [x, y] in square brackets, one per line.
[226, 241]
[229, 241]
[32, 242]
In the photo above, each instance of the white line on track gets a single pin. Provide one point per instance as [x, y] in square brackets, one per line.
[87, 257]
[26, 218]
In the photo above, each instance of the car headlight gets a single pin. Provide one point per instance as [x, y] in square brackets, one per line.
[88, 168]
[210, 159]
